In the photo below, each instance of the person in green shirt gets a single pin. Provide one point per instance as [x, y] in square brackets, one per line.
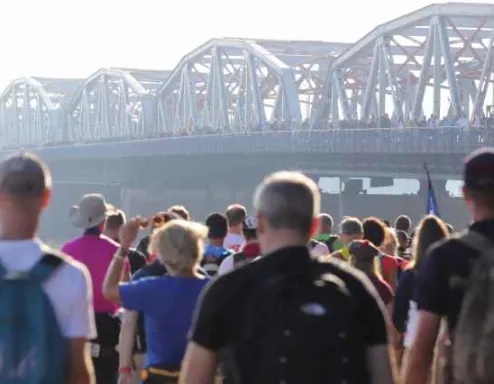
[325, 235]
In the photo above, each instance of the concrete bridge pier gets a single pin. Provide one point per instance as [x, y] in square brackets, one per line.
[220, 197]
[439, 188]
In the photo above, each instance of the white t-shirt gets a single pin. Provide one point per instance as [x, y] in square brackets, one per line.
[69, 288]
[234, 242]
[320, 250]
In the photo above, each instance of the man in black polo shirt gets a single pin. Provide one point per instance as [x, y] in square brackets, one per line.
[444, 273]
[288, 318]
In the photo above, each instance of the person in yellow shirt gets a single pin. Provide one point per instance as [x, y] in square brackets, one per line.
[350, 230]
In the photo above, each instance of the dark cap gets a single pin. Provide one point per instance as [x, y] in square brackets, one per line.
[478, 172]
[24, 175]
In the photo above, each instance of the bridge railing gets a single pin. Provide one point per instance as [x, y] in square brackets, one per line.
[382, 140]
[372, 140]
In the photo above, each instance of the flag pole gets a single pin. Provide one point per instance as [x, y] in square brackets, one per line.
[432, 207]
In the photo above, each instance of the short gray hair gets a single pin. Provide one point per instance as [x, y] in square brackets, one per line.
[326, 220]
[288, 200]
[351, 226]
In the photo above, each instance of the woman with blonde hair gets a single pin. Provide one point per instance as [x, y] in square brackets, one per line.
[430, 230]
[179, 246]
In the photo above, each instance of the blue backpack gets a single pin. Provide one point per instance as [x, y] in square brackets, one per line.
[32, 347]
[212, 258]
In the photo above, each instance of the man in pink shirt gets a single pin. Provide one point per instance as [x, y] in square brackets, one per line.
[96, 251]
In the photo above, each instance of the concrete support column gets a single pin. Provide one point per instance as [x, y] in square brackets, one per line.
[152, 200]
[132, 200]
[439, 187]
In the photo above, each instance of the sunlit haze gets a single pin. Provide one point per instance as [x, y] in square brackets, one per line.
[67, 38]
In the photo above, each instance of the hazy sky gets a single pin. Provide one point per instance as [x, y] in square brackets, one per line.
[68, 38]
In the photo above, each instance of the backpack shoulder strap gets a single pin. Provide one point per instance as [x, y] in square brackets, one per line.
[477, 241]
[48, 263]
[3, 271]
[312, 244]
[331, 240]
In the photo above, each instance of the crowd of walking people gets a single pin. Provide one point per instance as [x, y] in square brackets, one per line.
[281, 294]
[382, 122]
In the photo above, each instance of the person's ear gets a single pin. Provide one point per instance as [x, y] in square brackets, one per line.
[45, 198]
[314, 228]
[466, 196]
[261, 224]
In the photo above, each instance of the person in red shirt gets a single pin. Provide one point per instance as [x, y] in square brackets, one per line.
[363, 258]
[391, 246]
[375, 233]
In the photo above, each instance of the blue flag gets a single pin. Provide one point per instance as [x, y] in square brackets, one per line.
[432, 208]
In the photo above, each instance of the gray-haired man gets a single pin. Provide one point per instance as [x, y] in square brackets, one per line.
[276, 315]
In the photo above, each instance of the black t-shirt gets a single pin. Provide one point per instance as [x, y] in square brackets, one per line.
[136, 260]
[156, 268]
[315, 343]
[404, 294]
[445, 272]
[143, 245]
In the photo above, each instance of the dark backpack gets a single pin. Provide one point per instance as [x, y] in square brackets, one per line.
[212, 259]
[291, 301]
[473, 341]
[33, 347]
[239, 259]
[330, 242]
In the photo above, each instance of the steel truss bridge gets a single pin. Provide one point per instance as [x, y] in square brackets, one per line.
[438, 59]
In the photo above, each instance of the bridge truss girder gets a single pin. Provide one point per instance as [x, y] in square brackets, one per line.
[444, 50]
[239, 84]
[110, 104]
[28, 115]
[310, 61]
